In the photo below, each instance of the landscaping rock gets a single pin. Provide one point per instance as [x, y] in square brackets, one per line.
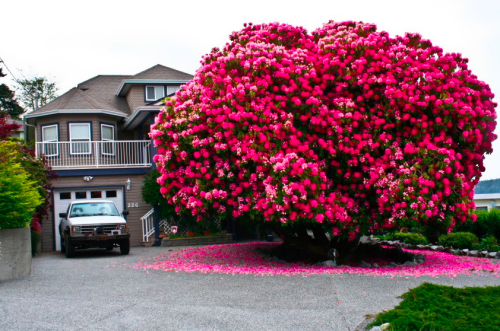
[446, 250]
[329, 263]
[492, 255]
[465, 252]
[409, 264]
[484, 254]
[365, 264]
[376, 328]
[393, 265]
[474, 253]
[375, 265]
[384, 326]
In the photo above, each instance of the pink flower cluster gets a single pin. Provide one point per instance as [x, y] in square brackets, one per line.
[245, 260]
[346, 126]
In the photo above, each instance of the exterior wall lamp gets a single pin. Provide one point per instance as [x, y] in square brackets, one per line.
[88, 178]
[129, 182]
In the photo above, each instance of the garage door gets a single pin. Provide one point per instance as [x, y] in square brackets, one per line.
[63, 197]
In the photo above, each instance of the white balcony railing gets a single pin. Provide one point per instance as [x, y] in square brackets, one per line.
[96, 154]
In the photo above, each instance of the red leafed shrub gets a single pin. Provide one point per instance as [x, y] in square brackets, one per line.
[346, 128]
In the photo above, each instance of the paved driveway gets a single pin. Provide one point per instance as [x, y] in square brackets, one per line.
[89, 293]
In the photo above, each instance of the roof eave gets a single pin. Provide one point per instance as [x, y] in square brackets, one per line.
[76, 111]
[135, 119]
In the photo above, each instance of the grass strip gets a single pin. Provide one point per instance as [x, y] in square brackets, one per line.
[431, 307]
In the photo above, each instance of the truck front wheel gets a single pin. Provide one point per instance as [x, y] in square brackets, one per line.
[125, 247]
[70, 248]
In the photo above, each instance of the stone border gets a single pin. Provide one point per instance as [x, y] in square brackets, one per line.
[451, 250]
[210, 240]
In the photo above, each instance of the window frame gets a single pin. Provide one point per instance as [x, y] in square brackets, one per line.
[56, 125]
[72, 140]
[156, 98]
[113, 127]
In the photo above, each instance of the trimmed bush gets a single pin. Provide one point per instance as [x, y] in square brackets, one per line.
[19, 196]
[461, 240]
[409, 238]
[486, 225]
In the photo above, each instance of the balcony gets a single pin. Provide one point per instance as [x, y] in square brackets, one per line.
[96, 154]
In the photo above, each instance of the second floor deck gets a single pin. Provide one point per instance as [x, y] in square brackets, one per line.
[96, 154]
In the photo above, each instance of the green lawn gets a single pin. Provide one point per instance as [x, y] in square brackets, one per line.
[432, 307]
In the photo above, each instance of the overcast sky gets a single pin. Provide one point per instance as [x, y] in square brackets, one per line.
[72, 41]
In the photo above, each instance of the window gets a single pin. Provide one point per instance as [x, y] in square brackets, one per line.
[95, 194]
[482, 208]
[172, 89]
[50, 139]
[79, 135]
[80, 195]
[65, 195]
[154, 93]
[107, 137]
[110, 194]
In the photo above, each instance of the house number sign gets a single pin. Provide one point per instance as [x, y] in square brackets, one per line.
[132, 205]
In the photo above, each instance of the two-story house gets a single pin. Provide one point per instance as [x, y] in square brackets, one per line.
[95, 137]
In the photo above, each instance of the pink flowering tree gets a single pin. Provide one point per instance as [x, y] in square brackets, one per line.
[343, 131]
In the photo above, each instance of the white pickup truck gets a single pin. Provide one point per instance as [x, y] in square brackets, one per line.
[93, 223]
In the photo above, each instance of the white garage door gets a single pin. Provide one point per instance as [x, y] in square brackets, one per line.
[62, 199]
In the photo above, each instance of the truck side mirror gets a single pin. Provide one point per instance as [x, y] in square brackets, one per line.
[125, 212]
[63, 215]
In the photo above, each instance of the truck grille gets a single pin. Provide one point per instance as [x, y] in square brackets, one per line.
[98, 229]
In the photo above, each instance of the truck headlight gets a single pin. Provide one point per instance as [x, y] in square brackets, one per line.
[76, 229]
[122, 227]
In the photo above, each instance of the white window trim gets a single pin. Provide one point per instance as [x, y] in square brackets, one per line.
[108, 140]
[79, 141]
[154, 86]
[51, 141]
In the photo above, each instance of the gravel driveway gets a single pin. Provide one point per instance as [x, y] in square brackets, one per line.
[99, 290]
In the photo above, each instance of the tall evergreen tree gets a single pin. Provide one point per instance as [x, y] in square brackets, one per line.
[8, 105]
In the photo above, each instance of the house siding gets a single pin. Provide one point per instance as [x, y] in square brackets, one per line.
[135, 97]
[63, 120]
[134, 195]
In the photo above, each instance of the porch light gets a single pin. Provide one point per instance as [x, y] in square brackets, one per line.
[128, 184]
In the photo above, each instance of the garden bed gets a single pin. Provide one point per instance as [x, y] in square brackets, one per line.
[206, 240]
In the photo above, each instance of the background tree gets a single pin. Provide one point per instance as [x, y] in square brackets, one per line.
[345, 131]
[8, 104]
[36, 92]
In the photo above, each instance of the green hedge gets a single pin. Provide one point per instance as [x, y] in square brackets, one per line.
[19, 196]
[460, 240]
[486, 225]
[409, 238]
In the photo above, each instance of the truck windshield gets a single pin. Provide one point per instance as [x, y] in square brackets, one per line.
[93, 209]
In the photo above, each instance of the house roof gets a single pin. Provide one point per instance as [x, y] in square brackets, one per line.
[490, 196]
[157, 74]
[77, 100]
[161, 72]
[99, 94]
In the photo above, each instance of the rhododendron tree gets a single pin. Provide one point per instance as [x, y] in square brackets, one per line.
[343, 131]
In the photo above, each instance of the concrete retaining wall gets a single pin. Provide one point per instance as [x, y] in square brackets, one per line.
[15, 253]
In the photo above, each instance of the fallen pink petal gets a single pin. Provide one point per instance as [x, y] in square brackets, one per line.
[245, 259]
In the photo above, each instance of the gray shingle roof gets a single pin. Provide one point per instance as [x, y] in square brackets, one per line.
[161, 72]
[99, 92]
